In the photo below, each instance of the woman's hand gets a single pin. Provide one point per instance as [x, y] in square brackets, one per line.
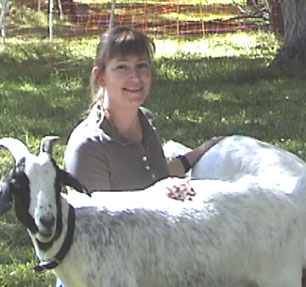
[176, 188]
[210, 143]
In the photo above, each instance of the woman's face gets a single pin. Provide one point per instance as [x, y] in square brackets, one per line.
[127, 80]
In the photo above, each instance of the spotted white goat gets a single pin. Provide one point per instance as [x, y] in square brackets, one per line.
[237, 156]
[230, 234]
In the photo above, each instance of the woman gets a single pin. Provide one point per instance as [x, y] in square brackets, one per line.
[116, 147]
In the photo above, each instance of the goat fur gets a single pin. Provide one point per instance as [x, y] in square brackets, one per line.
[231, 234]
[237, 156]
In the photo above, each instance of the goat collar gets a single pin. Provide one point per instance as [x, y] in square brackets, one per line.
[51, 264]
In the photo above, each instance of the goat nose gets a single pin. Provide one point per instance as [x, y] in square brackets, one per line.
[47, 221]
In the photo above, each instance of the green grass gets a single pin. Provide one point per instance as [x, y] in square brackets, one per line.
[217, 85]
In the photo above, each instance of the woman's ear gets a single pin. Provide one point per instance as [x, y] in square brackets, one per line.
[98, 75]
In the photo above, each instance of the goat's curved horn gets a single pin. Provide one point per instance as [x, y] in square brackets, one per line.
[47, 143]
[5, 197]
[16, 147]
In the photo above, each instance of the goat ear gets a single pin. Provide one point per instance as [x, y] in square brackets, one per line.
[47, 143]
[71, 181]
[6, 201]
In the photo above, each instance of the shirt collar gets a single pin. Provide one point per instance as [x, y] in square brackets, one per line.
[107, 131]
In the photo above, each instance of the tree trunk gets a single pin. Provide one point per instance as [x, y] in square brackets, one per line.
[292, 55]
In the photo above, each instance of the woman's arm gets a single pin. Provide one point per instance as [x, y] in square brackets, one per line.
[181, 164]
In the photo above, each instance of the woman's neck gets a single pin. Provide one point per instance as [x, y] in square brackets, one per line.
[126, 122]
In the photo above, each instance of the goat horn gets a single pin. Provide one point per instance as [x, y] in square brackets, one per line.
[16, 147]
[47, 144]
[5, 197]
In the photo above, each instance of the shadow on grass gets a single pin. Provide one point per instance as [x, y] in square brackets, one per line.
[208, 97]
[194, 98]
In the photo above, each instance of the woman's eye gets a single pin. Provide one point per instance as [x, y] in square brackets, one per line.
[121, 67]
[143, 65]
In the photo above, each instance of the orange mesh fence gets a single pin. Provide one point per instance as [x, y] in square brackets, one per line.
[158, 18]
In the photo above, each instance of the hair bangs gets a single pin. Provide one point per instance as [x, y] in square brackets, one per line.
[131, 44]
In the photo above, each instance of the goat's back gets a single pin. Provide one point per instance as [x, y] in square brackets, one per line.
[236, 156]
[224, 238]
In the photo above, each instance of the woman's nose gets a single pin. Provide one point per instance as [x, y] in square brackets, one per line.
[135, 73]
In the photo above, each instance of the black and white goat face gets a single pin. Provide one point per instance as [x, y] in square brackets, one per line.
[44, 194]
[35, 185]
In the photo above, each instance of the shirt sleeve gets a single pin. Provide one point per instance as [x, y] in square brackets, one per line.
[85, 162]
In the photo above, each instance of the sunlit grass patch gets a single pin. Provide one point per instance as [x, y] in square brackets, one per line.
[240, 44]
